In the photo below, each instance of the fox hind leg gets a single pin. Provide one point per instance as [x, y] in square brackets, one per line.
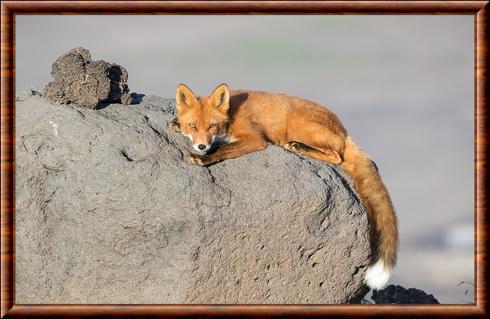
[326, 154]
[175, 125]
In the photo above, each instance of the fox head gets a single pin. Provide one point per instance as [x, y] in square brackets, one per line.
[203, 120]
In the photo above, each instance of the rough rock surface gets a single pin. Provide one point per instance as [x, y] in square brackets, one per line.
[399, 295]
[108, 211]
[79, 80]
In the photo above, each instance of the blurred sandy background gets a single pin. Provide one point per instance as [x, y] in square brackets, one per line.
[402, 85]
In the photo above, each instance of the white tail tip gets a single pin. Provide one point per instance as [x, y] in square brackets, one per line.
[377, 275]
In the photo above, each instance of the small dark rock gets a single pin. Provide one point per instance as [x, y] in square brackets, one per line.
[399, 295]
[79, 80]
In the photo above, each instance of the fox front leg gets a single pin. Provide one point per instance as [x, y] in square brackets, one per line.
[175, 125]
[231, 150]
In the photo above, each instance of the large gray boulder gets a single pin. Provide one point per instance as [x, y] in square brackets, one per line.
[108, 211]
[79, 80]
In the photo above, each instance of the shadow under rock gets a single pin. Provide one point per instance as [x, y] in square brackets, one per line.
[136, 98]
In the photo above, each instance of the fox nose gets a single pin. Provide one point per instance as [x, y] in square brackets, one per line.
[201, 146]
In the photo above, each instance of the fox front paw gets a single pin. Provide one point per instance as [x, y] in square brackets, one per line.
[175, 125]
[196, 159]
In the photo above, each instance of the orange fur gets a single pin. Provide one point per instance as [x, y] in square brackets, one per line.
[251, 119]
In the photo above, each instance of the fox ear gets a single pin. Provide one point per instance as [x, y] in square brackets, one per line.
[220, 98]
[184, 98]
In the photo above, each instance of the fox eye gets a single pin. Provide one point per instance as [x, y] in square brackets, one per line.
[192, 125]
[212, 125]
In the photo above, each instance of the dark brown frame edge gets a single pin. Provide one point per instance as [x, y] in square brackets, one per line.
[9, 9]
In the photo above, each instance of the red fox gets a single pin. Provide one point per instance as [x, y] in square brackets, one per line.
[228, 124]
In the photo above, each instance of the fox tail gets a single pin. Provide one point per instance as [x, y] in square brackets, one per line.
[381, 214]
